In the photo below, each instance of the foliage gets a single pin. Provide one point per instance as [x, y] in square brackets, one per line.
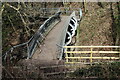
[16, 23]
[21, 20]
[106, 70]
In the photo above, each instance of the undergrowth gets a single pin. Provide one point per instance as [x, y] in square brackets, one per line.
[103, 70]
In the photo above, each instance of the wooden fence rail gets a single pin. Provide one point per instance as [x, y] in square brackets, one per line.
[99, 53]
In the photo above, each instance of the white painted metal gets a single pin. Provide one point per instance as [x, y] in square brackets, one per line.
[70, 38]
[73, 29]
[80, 15]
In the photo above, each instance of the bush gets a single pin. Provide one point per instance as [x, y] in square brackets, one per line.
[105, 70]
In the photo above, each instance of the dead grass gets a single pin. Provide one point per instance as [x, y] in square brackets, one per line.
[95, 27]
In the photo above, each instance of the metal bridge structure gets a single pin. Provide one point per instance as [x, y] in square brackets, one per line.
[54, 40]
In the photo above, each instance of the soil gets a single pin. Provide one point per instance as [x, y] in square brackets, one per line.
[95, 27]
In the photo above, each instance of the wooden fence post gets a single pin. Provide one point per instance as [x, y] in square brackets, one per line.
[85, 6]
[66, 55]
[91, 54]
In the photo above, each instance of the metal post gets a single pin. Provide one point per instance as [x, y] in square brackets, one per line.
[28, 50]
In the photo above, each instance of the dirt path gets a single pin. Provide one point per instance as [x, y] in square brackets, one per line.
[49, 50]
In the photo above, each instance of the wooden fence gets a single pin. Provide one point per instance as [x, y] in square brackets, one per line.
[91, 54]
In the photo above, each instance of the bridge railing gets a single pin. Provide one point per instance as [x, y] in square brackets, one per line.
[65, 30]
[62, 39]
[91, 54]
[38, 37]
[42, 32]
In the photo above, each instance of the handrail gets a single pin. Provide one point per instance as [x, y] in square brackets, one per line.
[43, 30]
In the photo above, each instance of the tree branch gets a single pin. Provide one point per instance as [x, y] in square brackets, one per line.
[12, 24]
[13, 7]
[8, 72]
[17, 9]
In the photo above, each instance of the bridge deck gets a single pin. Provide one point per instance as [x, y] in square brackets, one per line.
[49, 50]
